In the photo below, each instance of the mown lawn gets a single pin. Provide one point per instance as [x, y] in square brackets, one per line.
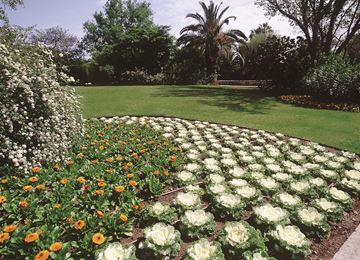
[243, 107]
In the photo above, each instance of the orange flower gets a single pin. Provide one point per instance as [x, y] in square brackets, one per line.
[64, 181]
[133, 183]
[55, 247]
[2, 199]
[99, 213]
[173, 158]
[42, 255]
[156, 173]
[24, 204]
[69, 162]
[57, 205]
[119, 189]
[118, 158]
[135, 206]
[101, 184]
[36, 169]
[130, 175]
[4, 181]
[81, 180]
[40, 187]
[33, 179]
[9, 228]
[166, 173]
[4, 237]
[79, 224]
[29, 238]
[27, 188]
[98, 239]
[109, 160]
[123, 218]
[99, 192]
[135, 155]
[101, 147]
[95, 161]
[129, 164]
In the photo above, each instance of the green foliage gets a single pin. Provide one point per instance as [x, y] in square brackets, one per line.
[335, 78]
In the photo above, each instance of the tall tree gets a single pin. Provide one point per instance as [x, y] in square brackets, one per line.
[114, 21]
[328, 25]
[208, 34]
[263, 28]
[12, 4]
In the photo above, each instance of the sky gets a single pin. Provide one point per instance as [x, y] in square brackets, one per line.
[71, 14]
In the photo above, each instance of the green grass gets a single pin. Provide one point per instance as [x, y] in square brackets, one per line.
[243, 107]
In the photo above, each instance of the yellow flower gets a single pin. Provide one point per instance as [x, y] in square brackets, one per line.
[99, 213]
[36, 169]
[33, 179]
[42, 255]
[81, 180]
[64, 181]
[123, 218]
[27, 188]
[9, 228]
[133, 183]
[119, 189]
[3, 237]
[40, 187]
[98, 239]
[24, 204]
[57, 205]
[29, 238]
[80, 224]
[55, 247]
[2, 199]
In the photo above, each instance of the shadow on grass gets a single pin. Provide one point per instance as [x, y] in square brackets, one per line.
[236, 99]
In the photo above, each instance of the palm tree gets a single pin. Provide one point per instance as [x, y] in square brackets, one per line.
[208, 35]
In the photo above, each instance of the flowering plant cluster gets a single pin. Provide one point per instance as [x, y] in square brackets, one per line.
[89, 199]
[228, 205]
[186, 201]
[197, 223]
[117, 251]
[204, 250]
[39, 112]
[267, 215]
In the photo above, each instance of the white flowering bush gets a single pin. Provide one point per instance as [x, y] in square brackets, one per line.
[159, 212]
[287, 201]
[311, 222]
[267, 215]
[268, 185]
[289, 242]
[160, 240]
[204, 250]
[228, 205]
[39, 112]
[197, 223]
[249, 195]
[184, 178]
[117, 251]
[185, 201]
[238, 237]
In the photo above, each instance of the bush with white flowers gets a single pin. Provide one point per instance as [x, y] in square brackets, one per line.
[287, 201]
[39, 112]
[197, 223]
[188, 200]
[117, 251]
[268, 215]
[159, 212]
[312, 222]
[204, 250]
[289, 242]
[239, 237]
[184, 178]
[160, 240]
[249, 195]
[227, 205]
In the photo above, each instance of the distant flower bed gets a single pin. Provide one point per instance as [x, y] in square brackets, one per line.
[309, 101]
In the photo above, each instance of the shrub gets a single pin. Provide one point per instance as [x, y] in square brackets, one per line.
[39, 112]
[140, 76]
[335, 78]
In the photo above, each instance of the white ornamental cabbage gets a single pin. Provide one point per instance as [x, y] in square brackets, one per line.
[116, 251]
[290, 235]
[204, 250]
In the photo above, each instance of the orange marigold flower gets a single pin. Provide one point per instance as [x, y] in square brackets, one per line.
[99, 192]
[166, 173]
[173, 158]
[27, 188]
[101, 184]
[80, 224]
[69, 162]
[55, 247]
[99, 214]
[129, 164]
[2, 199]
[130, 175]
[95, 161]
[33, 179]
[81, 180]
[98, 238]
[57, 205]
[143, 151]
[135, 155]
[101, 147]
[64, 181]
[133, 183]
[119, 189]
[29, 238]
[109, 160]
[40, 187]
[42, 255]
[156, 173]
[118, 158]
[24, 204]
[123, 218]
[3, 237]
[36, 169]
[9, 228]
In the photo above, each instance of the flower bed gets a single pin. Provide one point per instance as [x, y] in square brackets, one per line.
[132, 183]
[309, 101]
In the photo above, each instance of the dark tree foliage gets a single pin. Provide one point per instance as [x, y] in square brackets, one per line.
[283, 60]
[263, 28]
[327, 25]
[208, 35]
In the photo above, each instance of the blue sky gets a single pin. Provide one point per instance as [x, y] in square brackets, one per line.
[71, 14]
